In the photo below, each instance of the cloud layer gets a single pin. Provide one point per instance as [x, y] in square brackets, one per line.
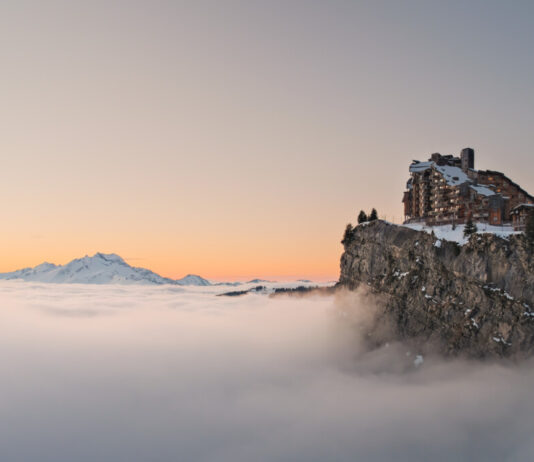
[165, 374]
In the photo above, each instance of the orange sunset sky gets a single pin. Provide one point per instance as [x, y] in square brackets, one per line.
[237, 139]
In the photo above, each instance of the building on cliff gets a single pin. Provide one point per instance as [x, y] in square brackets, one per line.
[448, 189]
[520, 215]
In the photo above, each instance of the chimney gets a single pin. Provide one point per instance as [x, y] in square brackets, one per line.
[436, 157]
[468, 159]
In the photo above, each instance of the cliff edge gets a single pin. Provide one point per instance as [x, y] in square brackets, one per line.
[475, 300]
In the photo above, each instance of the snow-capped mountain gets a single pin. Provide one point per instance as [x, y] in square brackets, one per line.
[98, 269]
[193, 280]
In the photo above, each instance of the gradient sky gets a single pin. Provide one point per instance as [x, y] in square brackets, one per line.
[237, 138]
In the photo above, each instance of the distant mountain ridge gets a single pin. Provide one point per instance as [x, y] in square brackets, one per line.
[99, 269]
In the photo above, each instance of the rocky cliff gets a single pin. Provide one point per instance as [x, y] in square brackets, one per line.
[475, 300]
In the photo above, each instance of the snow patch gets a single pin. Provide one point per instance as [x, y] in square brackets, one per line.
[400, 275]
[482, 190]
[501, 340]
[501, 292]
[454, 176]
[447, 233]
[418, 361]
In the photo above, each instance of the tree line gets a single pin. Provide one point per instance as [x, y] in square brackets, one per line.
[363, 217]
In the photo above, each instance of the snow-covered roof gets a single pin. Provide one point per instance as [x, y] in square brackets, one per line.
[482, 190]
[454, 176]
[417, 167]
[521, 206]
[504, 177]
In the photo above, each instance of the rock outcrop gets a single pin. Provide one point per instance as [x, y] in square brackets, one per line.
[475, 300]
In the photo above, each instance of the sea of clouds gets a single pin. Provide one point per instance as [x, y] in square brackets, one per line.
[149, 374]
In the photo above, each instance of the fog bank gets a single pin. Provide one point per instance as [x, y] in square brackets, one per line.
[142, 374]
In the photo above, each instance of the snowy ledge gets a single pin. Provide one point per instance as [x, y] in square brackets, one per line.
[445, 232]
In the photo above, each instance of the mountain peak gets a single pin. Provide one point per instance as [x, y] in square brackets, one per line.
[193, 279]
[111, 257]
[45, 265]
[101, 268]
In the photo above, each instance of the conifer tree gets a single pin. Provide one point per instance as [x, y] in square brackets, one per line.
[362, 217]
[347, 236]
[470, 228]
[374, 215]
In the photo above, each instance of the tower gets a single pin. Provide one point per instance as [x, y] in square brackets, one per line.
[468, 159]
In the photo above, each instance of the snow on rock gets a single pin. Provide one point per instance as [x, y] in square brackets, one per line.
[193, 280]
[418, 361]
[501, 340]
[447, 233]
[99, 269]
[400, 275]
[501, 292]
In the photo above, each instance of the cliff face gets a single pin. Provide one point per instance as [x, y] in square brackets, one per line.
[475, 300]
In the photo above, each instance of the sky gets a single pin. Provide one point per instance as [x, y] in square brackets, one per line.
[236, 139]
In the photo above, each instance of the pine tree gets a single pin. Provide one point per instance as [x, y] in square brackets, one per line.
[529, 230]
[347, 236]
[470, 228]
[373, 216]
[362, 217]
